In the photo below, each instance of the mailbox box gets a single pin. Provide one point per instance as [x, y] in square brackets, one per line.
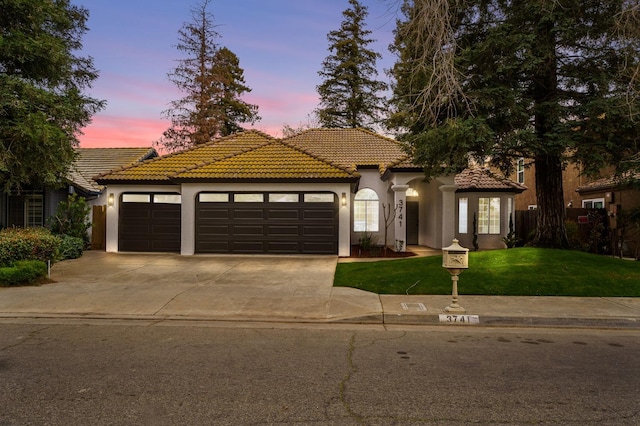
[455, 256]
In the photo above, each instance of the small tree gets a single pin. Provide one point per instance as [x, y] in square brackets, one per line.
[71, 218]
[349, 93]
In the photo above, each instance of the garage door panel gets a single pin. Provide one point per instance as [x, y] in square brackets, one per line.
[217, 230]
[325, 214]
[248, 214]
[247, 247]
[280, 214]
[283, 247]
[323, 231]
[248, 230]
[205, 213]
[215, 247]
[319, 247]
[283, 230]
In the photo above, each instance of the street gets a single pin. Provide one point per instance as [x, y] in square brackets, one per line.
[74, 372]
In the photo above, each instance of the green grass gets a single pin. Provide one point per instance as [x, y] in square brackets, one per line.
[514, 272]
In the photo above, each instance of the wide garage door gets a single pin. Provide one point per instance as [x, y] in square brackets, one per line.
[267, 222]
[149, 222]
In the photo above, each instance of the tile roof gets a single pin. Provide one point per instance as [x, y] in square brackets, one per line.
[609, 182]
[477, 179]
[94, 161]
[351, 147]
[246, 155]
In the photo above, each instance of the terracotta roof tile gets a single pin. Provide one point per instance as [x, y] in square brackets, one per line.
[162, 168]
[247, 155]
[477, 179]
[350, 146]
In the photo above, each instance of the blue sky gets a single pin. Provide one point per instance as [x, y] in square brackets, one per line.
[280, 43]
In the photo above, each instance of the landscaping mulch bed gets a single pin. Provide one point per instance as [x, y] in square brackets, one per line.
[378, 252]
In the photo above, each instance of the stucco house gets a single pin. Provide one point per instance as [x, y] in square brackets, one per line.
[317, 192]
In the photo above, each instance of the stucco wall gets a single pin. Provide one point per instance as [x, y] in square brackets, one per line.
[485, 241]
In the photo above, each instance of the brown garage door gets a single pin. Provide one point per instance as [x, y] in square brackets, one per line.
[267, 222]
[149, 222]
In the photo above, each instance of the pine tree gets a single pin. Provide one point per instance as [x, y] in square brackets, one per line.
[42, 107]
[554, 81]
[213, 82]
[349, 93]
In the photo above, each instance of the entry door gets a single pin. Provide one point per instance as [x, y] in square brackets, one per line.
[413, 222]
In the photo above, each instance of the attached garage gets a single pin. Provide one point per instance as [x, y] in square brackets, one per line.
[267, 222]
[149, 222]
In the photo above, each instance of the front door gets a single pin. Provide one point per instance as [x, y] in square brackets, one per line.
[412, 222]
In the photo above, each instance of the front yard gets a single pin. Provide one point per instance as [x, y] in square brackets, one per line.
[515, 272]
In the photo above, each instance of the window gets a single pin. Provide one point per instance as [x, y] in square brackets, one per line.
[596, 203]
[167, 198]
[136, 198]
[33, 210]
[365, 211]
[489, 215]
[284, 198]
[213, 198]
[463, 212]
[520, 170]
[318, 198]
[248, 198]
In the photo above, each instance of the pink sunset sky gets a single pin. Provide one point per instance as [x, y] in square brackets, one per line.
[280, 43]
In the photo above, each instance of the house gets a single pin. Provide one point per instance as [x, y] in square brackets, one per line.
[317, 192]
[32, 207]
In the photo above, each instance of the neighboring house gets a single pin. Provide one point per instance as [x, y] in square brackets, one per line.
[583, 192]
[317, 192]
[579, 191]
[32, 207]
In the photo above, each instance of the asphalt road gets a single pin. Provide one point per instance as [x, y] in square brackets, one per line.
[129, 373]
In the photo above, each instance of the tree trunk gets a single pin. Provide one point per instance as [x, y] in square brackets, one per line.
[551, 231]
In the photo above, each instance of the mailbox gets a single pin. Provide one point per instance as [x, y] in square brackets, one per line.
[455, 256]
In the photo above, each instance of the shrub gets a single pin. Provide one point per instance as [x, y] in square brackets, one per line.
[71, 218]
[27, 244]
[70, 247]
[22, 272]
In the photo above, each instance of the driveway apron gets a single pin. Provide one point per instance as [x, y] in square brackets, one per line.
[207, 287]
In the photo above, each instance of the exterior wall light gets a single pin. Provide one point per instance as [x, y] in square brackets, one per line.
[344, 199]
[111, 200]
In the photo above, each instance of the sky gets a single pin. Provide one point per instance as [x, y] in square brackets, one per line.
[280, 44]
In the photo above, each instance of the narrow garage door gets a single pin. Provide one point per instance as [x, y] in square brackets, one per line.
[267, 222]
[149, 222]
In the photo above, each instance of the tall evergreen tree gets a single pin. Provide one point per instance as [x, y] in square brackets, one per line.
[349, 93]
[42, 107]
[548, 80]
[213, 82]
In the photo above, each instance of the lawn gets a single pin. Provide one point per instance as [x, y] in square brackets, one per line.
[515, 272]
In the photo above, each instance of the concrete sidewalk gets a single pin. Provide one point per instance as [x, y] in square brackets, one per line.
[275, 289]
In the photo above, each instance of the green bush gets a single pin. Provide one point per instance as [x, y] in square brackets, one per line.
[71, 218]
[27, 244]
[70, 247]
[22, 272]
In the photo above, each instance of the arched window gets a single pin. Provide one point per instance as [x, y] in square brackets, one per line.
[366, 211]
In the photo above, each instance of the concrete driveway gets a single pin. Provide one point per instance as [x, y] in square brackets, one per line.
[163, 286]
